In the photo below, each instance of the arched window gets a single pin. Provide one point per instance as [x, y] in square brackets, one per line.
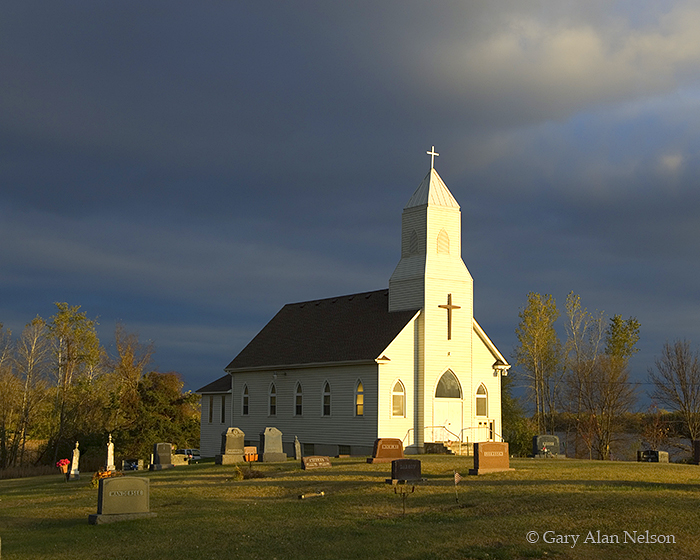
[245, 401]
[359, 399]
[448, 387]
[298, 401]
[482, 401]
[223, 409]
[443, 242]
[398, 400]
[211, 408]
[326, 399]
[273, 400]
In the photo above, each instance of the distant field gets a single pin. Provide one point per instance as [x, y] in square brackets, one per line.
[203, 513]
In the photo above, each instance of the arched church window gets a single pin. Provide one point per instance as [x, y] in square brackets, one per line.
[398, 400]
[482, 401]
[273, 400]
[443, 242]
[359, 399]
[298, 401]
[246, 401]
[327, 399]
[448, 387]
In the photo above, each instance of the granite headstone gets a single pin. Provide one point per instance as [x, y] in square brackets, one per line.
[406, 469]
[386, 450]
[232, 447]
[120, 499]
[162, 457]
[545, 445]
[271, 446]
[490, 456]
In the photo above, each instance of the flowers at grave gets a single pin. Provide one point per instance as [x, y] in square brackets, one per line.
[99, 475]
[63, 463]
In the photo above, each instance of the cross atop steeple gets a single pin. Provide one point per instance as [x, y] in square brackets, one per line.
[432, 153]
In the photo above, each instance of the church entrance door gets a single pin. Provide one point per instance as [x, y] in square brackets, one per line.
[447, 419]
[447, 408]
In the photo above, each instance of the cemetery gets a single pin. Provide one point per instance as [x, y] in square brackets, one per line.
[344, 508]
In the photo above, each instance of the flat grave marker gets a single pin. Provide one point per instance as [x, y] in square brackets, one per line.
[315, 462]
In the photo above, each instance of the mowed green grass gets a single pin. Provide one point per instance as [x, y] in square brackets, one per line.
[203, 513]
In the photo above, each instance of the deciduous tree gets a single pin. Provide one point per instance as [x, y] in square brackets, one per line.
[676, 384]
[539, 354]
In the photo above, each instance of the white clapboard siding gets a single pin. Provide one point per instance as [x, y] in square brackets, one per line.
[210, 431]
[342, 428]
[401, 365]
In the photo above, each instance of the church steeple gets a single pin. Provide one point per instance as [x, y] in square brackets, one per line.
[430, 244]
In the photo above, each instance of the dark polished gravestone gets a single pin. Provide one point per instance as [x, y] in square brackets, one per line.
[406, 470]
[490, 456]
[545, 446]
[232, 447]
[162, 457]
[121, 499]
[386, 450]
[271, 446]
[315, 462]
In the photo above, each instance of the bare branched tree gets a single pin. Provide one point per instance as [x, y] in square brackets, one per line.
[676, 381]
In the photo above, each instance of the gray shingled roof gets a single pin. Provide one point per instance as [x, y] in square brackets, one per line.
[221, 385]
[348, 328]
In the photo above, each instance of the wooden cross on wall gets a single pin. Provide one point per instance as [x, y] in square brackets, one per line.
[449, 308]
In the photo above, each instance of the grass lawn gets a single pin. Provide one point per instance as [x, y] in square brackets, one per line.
[204, 513]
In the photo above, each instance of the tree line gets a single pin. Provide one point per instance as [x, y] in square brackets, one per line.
[59, 385]
[582, 386]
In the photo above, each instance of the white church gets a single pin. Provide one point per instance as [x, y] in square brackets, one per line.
[410, 362]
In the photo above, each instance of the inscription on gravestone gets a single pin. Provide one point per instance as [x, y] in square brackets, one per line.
[232, 447]
[315, 462]
[271, 446]
[545, 445]
[490, 456]
[386, 450]
[122, 498]
[406, 469]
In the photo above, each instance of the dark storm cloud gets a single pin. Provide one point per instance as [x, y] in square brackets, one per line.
[189, 168]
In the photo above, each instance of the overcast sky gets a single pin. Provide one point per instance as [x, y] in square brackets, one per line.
[187, 168]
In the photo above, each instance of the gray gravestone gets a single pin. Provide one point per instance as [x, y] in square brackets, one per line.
[545, 445]
[297, 449]
[271, 446]
[74, 471]
[232, 447]
[120, 499]
[162, 457]
[406, 469]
